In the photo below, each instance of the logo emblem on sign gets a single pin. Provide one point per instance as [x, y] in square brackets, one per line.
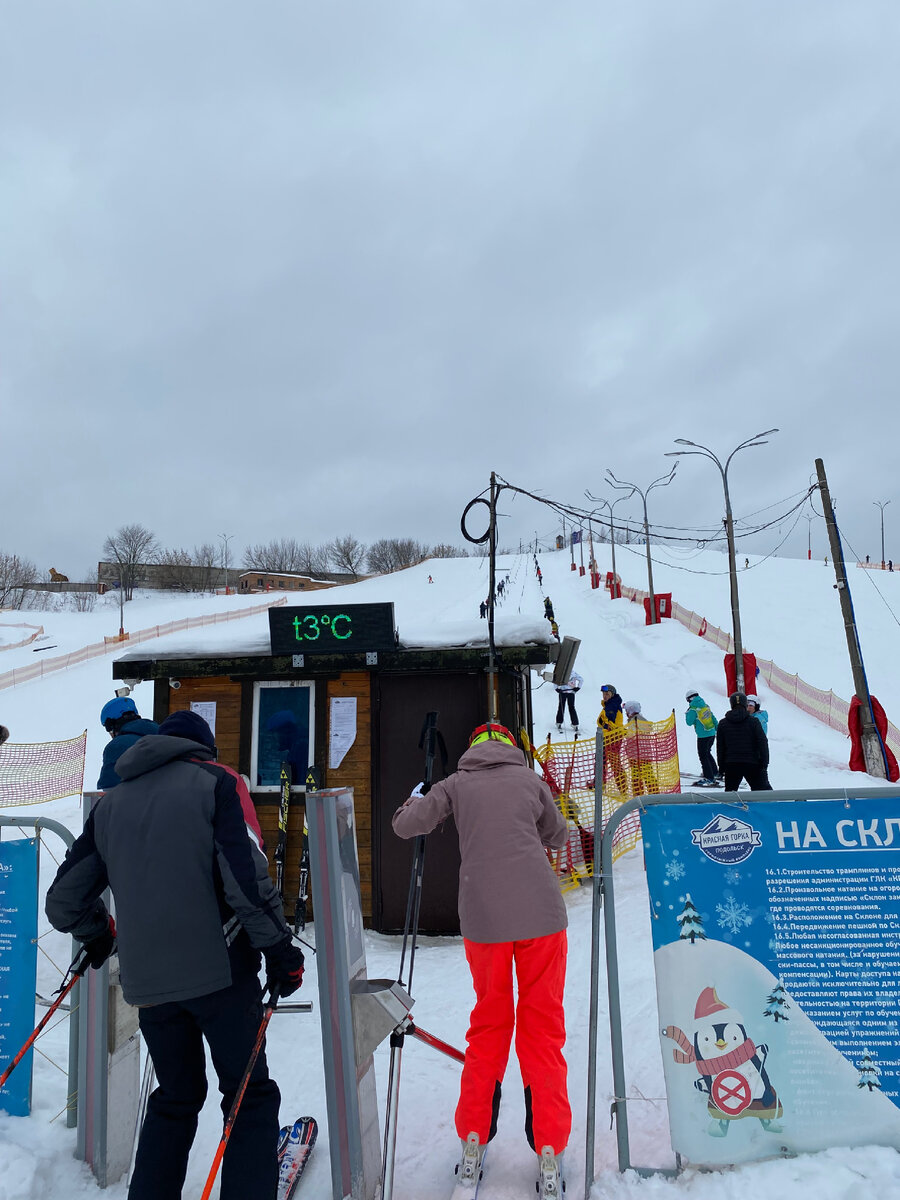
[727, 840]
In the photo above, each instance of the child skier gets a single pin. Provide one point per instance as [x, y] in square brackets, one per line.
[566, 692]
[704, 724]
[638, 746]
[612, 723]
[510, 912]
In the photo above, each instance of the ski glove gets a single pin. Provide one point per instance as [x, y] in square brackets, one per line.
[284, 966]
[99, 948]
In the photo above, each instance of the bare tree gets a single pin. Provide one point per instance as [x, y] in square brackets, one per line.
[347, 554]
[176, 570]
[17, 576]
[445, 550]
[315, 560]
[393, 554]
[130, 547]
[206, 560]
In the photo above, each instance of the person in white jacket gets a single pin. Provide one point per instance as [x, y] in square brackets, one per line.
[566, 692]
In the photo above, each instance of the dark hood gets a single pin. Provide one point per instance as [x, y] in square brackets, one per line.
[737, 715]
[155, 751]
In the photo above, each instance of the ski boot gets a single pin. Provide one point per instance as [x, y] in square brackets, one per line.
[550, 1184]
[468, 1169]
[559, 729]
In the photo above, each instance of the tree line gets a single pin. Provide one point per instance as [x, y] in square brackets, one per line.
[134, 546]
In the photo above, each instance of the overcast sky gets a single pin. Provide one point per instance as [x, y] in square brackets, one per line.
[298, 269]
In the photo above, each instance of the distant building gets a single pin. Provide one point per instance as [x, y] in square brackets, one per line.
[285, 581]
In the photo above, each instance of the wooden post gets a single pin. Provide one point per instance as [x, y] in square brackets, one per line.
[873, 752]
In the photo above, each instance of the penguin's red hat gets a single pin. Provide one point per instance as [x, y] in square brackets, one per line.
[710, 1009]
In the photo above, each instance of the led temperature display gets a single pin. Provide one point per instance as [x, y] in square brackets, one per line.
[332, 628]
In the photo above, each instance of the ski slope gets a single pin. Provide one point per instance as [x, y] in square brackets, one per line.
[790, 613]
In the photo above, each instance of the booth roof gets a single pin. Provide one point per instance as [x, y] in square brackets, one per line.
[250, 636]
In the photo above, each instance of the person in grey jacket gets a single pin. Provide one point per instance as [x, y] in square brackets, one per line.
[195, 906]
[510, 912]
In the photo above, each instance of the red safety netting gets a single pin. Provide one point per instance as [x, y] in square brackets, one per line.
[639, 759]
[31, 773]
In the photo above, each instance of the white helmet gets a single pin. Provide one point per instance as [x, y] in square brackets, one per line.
[757, 700]
[632, 708]
[690, 694]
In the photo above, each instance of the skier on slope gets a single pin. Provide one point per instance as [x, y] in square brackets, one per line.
[125, 726]
[566, 692]
[510, 911]
[178, 843]
[742, 747]
[704, 724]
[639, 748]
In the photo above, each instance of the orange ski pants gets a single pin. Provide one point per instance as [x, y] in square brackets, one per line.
[539, 1023]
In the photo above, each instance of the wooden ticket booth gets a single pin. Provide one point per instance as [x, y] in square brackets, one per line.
[337, 691]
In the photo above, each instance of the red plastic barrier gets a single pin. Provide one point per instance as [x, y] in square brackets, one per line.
[663, 606]
[749, 674]
[857, 759]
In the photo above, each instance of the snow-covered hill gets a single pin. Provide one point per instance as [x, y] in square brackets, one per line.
[790, 613]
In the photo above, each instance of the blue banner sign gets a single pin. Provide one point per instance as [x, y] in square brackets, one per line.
[18, 966]
[776, 937]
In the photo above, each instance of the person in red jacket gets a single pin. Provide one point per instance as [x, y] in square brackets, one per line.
[510, 913]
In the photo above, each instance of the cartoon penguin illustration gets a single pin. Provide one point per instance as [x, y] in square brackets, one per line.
[732, 1069]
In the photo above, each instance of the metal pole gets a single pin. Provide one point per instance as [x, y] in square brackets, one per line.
[492, 547]
[226, 538]
[735, 602]
[882, 504]
[873, 750]
[596, 911]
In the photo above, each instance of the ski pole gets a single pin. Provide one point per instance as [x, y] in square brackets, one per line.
[78, 967]
[410, 931]
[239, 1094]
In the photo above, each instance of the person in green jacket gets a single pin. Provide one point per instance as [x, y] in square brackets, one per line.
[704, 724]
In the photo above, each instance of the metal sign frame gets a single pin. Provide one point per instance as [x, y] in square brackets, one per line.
[604, 887]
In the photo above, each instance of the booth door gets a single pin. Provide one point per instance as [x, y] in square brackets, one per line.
[401, 704]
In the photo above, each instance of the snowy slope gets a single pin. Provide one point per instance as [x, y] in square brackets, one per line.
[790, 613]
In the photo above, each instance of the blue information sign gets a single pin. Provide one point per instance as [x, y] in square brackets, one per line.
[18, 966]
[776, 935]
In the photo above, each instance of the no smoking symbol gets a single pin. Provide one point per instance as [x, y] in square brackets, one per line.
[730, 1093]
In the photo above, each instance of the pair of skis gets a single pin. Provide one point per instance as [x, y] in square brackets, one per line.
[286, 779]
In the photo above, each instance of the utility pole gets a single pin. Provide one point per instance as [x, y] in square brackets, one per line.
[492, 548]
[809, 521]
[873, 752]
[226, 538]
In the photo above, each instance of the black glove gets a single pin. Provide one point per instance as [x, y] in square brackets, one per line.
[99, 948]
[284, 966]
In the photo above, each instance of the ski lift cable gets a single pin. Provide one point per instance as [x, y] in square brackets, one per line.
[871, 579]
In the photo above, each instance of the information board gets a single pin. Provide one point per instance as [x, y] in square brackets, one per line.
[332, 628]
[776, 934]
[18, 966]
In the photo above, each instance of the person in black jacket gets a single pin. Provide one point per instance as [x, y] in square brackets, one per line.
[178, 844]
[125, 725]
[742, 748]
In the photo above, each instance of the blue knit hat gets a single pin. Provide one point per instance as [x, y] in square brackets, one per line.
[190, 725]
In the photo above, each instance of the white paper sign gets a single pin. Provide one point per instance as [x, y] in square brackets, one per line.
[342, 728]
[207, 710]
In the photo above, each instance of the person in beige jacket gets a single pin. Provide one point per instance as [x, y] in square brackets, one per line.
[510, 912]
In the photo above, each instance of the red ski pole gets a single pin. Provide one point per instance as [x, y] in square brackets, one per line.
[239, 1095]
[78, 968]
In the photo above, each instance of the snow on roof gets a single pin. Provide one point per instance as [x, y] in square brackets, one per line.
[427, 616]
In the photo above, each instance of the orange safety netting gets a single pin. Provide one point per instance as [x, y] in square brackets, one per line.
[31, 773]
[639, 759]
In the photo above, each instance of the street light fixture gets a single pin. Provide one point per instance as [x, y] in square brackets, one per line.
[756, 440]
[882, 504]
[612, 530]
[226, 538]
[663, 481]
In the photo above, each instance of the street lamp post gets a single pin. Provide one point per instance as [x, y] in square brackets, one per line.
[226, 538]
[663, 481]
[729, 532]
[882, 504]
[809, 521]
[612, 530]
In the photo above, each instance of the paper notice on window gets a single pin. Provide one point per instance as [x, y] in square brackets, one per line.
[207, 710]
[342, 729]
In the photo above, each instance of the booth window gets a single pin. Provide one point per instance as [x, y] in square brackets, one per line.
[282, 732]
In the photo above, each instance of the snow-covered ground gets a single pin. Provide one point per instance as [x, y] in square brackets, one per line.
[790, 613]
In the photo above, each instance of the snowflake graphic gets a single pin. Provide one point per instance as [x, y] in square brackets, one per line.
[675, 870]
[733, 915]
[733, 876]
